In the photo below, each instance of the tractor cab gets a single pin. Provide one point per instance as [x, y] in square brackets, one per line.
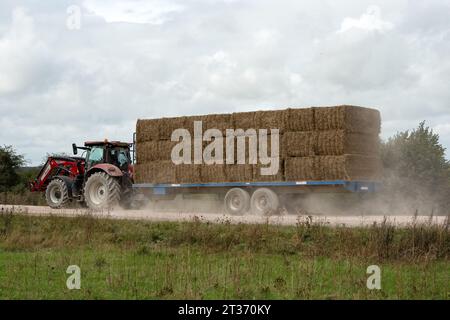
[106, 152]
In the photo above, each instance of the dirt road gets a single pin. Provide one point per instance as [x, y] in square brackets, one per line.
[351, 221]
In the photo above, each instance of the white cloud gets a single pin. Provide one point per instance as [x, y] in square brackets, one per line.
[368, 21]
[132, 11]
[194, 57]
[24, 62]
[266, 37]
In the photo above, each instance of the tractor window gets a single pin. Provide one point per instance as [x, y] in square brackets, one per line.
[120, 157]
[95, 156]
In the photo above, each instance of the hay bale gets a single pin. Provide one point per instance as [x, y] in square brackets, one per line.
[168, 125]
[348, 118]
[206, 144]
[218, 121]
[360, 167]
[189, 123]
[330, 142]
[212, 173]
[299, 119]
[239, 172]
[330, 167]
[247, 144]
[212, 121]
[235, 147]
[147, 130]
[269, 138]
[146, 151]
[187, 173]
[300, 169]
[157, 129]
[243, 120]
[299, 144]
[273, 119]
[257, 176]
[339, 142]
[156, 172]
[154, 150]
[165, 149]
[139, 176]
[348, 167]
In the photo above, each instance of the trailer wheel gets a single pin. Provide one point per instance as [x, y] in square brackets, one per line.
[264, 202]
[57, 194]
[101, 191]
[237, 201]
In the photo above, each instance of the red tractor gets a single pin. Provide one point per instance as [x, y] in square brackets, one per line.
[102, 179]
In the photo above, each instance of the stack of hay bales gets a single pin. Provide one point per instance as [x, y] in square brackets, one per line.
[154, 148]
[343, 145]
[319, 143]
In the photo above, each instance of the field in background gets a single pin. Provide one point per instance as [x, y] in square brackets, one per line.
[23, 197]
[138, 259]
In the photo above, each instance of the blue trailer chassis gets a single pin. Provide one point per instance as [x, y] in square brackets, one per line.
[284, 186]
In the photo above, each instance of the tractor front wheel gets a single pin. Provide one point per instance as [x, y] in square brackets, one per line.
[101, 191]
[57, 194]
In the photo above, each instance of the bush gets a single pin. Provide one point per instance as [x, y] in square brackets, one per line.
[415, 169]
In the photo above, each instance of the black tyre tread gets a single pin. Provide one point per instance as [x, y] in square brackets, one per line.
[114, 190]
[64, 193]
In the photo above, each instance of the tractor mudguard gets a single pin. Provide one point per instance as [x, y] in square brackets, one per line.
[108, 168]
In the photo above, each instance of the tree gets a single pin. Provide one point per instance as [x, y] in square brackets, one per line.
[415, 165]
[10, 161]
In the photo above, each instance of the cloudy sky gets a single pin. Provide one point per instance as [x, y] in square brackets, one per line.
[80, 70]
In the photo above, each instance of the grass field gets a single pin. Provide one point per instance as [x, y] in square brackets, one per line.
[145, 260]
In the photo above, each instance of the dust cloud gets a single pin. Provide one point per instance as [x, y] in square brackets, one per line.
[383, 203]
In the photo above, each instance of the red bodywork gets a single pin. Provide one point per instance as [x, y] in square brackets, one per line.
[110, 169]
[70, 167]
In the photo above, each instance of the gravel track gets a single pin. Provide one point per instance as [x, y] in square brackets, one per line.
[152, 215]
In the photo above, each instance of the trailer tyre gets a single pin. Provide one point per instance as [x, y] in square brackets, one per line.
[264, 202]
[57, 194]
[102, 191]
[237, 201]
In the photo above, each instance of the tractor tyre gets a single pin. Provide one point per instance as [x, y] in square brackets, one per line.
[102, 191]
[57, 194]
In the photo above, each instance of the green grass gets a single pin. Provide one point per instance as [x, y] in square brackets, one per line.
[142, 260]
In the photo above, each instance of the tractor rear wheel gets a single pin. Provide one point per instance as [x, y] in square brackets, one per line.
[57, 194]
[101, 191]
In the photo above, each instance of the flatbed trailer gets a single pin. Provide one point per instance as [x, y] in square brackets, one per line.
[257, 197]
